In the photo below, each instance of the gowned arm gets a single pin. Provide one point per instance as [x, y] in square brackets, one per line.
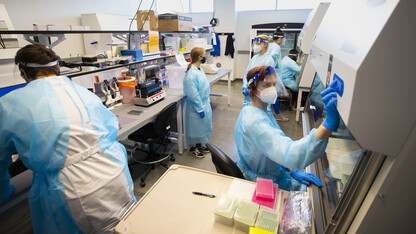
[281, 149]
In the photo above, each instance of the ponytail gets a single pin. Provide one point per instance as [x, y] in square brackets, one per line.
[195, 53]
[278, 33]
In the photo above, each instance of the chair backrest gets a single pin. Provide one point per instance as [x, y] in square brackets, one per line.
[223, 163]
[164, 119]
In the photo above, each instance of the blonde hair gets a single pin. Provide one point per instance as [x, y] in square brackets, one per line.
[265, 37]
[195, 53]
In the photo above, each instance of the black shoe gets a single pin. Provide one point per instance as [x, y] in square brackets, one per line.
[195, 151]
[203, 149]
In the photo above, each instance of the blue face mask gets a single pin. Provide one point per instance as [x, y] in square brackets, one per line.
[204, 59]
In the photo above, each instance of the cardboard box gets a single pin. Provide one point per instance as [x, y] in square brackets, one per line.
[149, 19]
[174, 22]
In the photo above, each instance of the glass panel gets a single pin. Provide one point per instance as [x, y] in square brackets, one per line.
[202, 5]
[164, 6]
[250, 5]
[342, 153]
[288, 43]
[296, 4]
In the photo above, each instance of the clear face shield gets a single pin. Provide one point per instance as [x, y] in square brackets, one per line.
[17, 74]
[280, 87]
[294, 57]
[257, 44]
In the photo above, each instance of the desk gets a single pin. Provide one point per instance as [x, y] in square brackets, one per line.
[170, 207]
[135, 122]
[214, 78]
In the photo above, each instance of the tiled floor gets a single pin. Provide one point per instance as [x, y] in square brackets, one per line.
[224, 119]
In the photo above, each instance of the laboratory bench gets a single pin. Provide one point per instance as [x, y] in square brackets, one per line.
[170, 206]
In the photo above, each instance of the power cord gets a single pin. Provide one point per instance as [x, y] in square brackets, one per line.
[134, 17]
[214, 21]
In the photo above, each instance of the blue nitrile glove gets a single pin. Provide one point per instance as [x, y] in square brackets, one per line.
[306, 178]
[329, 98]
[202, 114]
[245, 91]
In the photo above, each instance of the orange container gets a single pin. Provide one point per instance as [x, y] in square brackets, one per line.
[127, 88]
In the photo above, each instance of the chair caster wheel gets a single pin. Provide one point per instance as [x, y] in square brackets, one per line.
[172, 159]
[142, 184]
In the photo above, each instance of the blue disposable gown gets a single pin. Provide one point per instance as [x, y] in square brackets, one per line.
[63, 133]
[257, 60]
[289, 69]
[275, 51]
[197, 90]
[266, 152]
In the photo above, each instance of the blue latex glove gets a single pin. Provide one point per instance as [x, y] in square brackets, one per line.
[306, 178]
[202, 114]
[329, 98]
[245, 91]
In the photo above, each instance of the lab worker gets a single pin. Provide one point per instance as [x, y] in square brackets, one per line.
[63, 133]
[260, 46]
[198, 112]
[290, 69]
[276, 52]
[263, 148]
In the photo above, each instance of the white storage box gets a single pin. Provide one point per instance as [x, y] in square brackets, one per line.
[176, 74]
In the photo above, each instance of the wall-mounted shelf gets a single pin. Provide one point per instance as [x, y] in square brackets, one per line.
[145, 59]
[86, 31]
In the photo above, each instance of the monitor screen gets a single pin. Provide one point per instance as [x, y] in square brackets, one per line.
[6, 90]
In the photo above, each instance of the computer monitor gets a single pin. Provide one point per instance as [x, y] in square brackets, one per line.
[6, 90]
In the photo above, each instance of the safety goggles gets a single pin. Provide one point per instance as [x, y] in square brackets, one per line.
[294, 55]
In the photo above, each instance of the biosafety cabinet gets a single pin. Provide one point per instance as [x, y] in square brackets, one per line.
[367, 48]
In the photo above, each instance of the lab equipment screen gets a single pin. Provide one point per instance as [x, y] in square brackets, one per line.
[6, 90]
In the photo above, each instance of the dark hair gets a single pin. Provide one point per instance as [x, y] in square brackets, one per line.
[195, 53]
[39, 54]
[293, 51]
[278, 33]
[262, 74]
[293, 57]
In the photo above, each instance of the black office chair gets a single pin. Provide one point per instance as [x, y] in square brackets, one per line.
[223, 163]
[152, 134]
[287, 100]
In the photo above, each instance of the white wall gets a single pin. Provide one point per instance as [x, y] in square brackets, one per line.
[24, 13]
[244, 20]
[224, 13]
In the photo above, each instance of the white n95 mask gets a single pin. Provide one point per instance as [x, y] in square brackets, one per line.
[268, 95]
[256, 48]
